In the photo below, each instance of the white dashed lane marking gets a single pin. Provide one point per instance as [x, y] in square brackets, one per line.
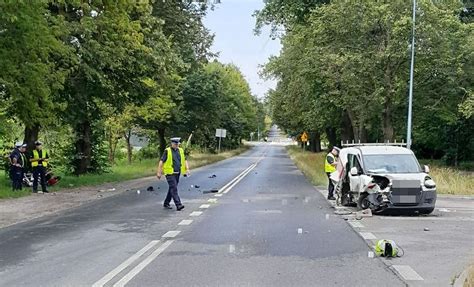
[356, 224]
[407, 273]
[218, 195]
[204, 206]
[367, 235]
[195, 213]
[171, 234]
[212, 200]
[185, 222]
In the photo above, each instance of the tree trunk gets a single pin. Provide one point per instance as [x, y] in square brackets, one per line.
[315, 141]
[162, 141]
[332, 136]
[387, 122]
[111, 148]
[347, 131]
[83, 148]
[128, 136]
[31, 135]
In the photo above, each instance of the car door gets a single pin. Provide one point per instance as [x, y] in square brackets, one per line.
[354, 180]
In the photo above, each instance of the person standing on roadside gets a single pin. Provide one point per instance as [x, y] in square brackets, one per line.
[330, 167]
[16, 169]
[39, 161]
[173, 163]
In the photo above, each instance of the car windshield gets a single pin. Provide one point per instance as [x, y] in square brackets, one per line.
[391, 163]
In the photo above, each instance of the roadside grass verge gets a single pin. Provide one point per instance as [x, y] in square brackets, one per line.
[311, 164]
[448, 180]
[469, 282]
[121, 171]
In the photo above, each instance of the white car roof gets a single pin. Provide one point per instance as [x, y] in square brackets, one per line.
[383, 149]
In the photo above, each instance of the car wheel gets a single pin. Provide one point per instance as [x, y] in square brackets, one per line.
[345, 199]
[363, 202]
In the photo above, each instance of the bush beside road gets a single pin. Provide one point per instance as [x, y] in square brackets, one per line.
[119, 172]
[448, 180]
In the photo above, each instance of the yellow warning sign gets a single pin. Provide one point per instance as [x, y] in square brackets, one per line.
[304, 137]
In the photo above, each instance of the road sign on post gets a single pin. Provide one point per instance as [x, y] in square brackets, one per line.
[220, 133]
[304, 139]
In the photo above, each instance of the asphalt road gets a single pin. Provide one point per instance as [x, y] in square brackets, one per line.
[266, 227]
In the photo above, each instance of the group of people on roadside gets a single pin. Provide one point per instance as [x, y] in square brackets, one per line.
[21, 163]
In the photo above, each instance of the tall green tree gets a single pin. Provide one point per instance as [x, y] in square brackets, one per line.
[34, 62]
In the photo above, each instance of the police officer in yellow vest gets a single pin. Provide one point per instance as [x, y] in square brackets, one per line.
[173, 163]
[330, 167]
[39, 161]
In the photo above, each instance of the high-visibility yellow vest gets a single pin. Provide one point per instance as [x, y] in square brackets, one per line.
[36, 156]
[168, 165]
[327, 166]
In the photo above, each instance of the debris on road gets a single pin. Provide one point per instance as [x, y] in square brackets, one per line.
[426, 229]
[364, 213]
[211, 191]
[213, 176]
[138, 191]
[327, 216]
[342, 212]
[300, 230]
[150, 188]
[195, 186]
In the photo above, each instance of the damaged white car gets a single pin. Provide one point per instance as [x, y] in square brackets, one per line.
[383, 178]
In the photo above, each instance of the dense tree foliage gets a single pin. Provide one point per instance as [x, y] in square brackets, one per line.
[101, 71]
[343, 73]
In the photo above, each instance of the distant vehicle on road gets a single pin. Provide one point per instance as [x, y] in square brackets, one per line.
[383, 178]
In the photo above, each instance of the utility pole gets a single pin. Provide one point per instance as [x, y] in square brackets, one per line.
[410, 93]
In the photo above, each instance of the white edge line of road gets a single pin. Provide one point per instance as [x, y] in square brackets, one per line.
[129, 276]
[125, 264]
[407, 273]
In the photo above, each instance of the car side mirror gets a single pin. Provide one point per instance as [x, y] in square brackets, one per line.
[426, 169]
[354, 171]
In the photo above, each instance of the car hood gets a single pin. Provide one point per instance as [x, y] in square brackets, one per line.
[404, 176]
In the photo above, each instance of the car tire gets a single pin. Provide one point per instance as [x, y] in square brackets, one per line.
[345, 199]
[363, 202]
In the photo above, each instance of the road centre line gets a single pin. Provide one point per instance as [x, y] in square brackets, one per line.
[212, 200]
[239, 179]
[129, 276]
[125, 264]
[185, 222]
[171, 234]
[205, 206]
[222, 189]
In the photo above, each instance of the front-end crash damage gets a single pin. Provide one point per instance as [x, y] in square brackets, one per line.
[376, 193]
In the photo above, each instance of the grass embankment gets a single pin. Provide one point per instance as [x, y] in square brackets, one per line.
[469, 282]
[448, 180]
[119, 172]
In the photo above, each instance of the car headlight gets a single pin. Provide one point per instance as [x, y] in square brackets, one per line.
[429, 183]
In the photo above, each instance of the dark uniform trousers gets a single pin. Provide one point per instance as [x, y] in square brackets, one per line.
[173, 181]
[39, 172]
[16, 175]
[330, 186]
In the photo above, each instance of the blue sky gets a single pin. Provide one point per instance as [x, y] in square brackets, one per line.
[232, 23]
